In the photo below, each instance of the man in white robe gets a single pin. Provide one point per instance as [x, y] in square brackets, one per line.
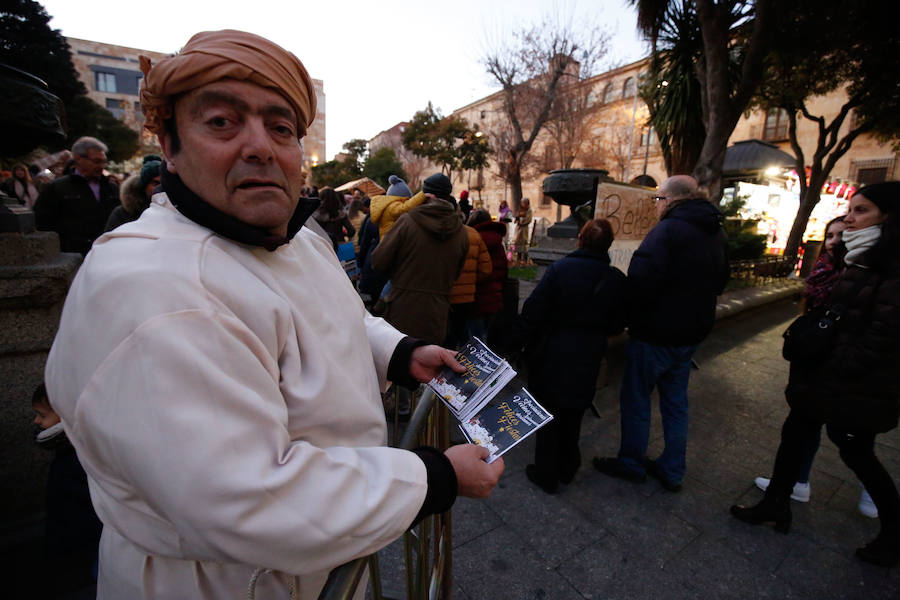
[215, 369]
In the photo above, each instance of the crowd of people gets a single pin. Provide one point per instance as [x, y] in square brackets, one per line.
[231, 420]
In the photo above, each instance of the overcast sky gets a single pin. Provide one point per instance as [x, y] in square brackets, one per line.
[381, 61]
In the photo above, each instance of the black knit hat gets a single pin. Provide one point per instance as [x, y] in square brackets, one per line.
[885, 195]
[149, 171]
[439, 185]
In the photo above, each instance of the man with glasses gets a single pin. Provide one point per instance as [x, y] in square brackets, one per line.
[76, 206]
[673, 280]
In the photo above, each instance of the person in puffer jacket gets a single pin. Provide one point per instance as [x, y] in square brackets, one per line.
[385, 210]
[489, 291]
[462, 296]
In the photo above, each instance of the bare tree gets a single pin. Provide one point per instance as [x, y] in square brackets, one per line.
[533, 68]
[569, 123]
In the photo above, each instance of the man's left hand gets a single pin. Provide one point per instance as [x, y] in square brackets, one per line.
[427, 361]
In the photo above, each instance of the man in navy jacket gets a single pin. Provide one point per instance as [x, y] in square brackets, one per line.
[673, 279]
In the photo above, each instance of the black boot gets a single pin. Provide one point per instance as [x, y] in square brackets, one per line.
[767, 510]
[549, 487]
[883, 551]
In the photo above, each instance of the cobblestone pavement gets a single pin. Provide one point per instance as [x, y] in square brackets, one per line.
[605, 538]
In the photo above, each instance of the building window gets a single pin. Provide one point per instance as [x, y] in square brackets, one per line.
[648, 136]
[628, 88]
[106, 82]
[608, 92]
[870, 176]
[115, 107]
[776, 124]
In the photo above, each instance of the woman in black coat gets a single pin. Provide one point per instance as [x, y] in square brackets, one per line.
[853, 389]
[564, 324]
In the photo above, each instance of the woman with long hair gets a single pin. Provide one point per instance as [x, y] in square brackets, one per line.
[20, 186]
[332, 216]
[853, 388]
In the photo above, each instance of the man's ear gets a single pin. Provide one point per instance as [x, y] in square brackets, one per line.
[166, 145]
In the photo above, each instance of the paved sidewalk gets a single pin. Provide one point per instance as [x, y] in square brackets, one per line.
[605, 538]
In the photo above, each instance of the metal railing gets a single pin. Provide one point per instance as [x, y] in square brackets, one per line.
[762, 270]
[427, 547]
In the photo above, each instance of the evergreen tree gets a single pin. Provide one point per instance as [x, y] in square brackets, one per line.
[28, 43]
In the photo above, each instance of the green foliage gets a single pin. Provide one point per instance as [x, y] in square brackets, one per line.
[746, 245]
[527, 273]
[381, 164]
[333, 173]
[86, 117]
[28, 43]
[855, 48]
[672, 91]
[338, 172]
[819, 52]
[447, 141]
[743, 241]
[357, 150]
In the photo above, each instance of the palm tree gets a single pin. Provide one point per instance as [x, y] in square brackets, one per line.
[722, 45]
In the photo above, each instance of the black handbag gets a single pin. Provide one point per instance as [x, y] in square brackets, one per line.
[810, 337]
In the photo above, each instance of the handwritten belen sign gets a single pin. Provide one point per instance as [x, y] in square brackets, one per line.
[631, 212]
[629, 209]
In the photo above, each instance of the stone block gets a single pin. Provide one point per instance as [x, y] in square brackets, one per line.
[34, 280]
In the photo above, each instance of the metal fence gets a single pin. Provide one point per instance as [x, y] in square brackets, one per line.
[761, 270]
[427, 547]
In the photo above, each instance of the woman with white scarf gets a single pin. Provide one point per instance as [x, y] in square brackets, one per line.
[853, 389]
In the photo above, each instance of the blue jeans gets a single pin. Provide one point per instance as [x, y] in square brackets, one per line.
[667, 368]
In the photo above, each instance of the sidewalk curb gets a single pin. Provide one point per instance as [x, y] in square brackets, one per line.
[732, 303]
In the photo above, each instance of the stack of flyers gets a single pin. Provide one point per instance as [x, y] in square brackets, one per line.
[464, 393]
[508, 417]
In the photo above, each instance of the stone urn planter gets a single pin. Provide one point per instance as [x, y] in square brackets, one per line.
[577, 189]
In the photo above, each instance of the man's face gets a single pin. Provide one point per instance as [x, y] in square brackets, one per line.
[662, 200]
[239, 151]
[92, 163]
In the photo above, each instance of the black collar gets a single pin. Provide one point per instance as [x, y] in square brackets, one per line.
[201, 212]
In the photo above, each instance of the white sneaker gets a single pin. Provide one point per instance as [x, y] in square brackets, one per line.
[866, 506]
[800, 492]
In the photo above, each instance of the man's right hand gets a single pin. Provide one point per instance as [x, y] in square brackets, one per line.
[475, 478]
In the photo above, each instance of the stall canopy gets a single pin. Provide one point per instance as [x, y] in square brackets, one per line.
[753, 156]
[366, 186]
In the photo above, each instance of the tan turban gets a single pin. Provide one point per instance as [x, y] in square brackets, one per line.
[213, 55]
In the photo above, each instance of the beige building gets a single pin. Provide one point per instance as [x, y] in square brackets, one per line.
[112, 76]
[415, 167]
[617, 138]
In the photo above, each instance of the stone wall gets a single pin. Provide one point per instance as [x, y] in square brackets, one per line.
[34, 280]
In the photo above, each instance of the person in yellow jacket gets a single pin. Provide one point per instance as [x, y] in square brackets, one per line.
[477, 267]
[385, 210]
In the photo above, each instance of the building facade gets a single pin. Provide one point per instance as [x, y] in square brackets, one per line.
[113, 76]
[615, 136]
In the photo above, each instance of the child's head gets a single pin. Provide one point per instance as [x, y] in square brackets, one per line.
[44, 415]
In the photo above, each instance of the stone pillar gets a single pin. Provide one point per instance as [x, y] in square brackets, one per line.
[34, 279]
